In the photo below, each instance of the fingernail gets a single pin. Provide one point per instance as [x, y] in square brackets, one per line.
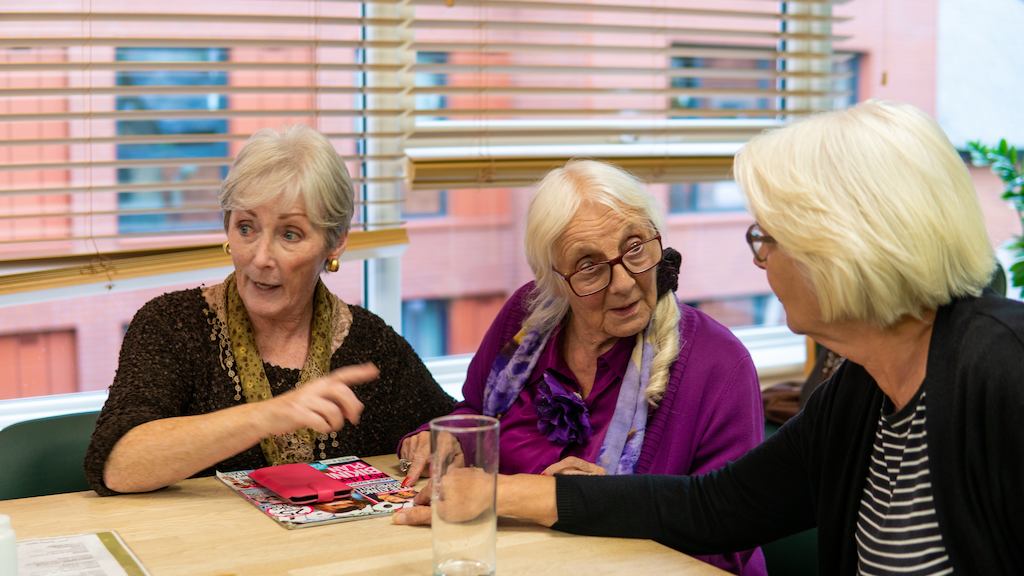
[406, 482]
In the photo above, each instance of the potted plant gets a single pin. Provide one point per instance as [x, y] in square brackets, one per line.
[1006, 163]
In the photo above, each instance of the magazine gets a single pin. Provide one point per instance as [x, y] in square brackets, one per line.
[374, 493]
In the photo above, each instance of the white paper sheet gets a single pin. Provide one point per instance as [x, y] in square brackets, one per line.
[93, 554]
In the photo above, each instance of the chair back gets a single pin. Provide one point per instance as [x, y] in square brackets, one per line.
[794, 555]
[998, 281]
[45, 456]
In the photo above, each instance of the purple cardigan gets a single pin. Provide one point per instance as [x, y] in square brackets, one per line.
[711, 413]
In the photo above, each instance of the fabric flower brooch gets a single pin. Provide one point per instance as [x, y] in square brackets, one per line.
[562, 415]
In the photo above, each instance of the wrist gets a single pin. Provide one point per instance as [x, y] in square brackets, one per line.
[527, 497]
[262, 419]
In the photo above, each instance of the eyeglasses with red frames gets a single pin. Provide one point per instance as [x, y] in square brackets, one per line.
[757, 240]
[591, 279]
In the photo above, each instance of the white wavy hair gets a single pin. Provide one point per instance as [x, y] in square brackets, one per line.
[558, 197]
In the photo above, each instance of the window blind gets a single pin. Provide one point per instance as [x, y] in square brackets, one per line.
[118, 123]
[510, 88]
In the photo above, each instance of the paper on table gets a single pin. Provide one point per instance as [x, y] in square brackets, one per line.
[95, 553]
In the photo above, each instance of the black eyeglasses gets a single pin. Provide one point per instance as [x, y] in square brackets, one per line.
[757, 239]
[595, 277]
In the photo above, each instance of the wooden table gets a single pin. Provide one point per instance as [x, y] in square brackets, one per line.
[201, 527]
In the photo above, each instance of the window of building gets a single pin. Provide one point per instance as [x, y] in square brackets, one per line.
[847, 82]
[428, 203]
[440, 327]
[720, 81]
[171, 210]
[743, 311]
[425, 204]
[745, 76]
[425, 326]
[427, 78]
[720, 196]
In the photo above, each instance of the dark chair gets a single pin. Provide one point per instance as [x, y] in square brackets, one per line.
[795, 555]
[44, 456]
[998, 281]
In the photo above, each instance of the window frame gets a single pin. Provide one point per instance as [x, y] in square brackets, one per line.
[776, 352]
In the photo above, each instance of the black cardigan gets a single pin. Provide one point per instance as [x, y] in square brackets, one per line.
[812, 472]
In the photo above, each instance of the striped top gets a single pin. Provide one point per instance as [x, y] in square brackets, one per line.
[897, 529]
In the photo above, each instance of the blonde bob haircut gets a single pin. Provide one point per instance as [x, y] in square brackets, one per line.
[875, 206]
[559, 195]
[295, 162]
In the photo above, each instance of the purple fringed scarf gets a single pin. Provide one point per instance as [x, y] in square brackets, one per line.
[625, 436]
[510, 371]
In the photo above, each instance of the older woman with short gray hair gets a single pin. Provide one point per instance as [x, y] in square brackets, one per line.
[267, 367]
[595, 367]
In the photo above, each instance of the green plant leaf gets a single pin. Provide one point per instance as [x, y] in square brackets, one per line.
[1004, 169]
[1005, 162]
[979, 153]
[1003, 148]
[1013, 187]
[1017, 274]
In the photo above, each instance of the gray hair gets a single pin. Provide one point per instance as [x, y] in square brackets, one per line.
[297, 162]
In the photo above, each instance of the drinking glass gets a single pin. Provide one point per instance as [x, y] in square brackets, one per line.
[464, 474]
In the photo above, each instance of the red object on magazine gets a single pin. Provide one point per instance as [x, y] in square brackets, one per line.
[300, 483]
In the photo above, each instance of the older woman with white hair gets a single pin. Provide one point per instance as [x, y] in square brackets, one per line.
[266, 367]
[909, 460]
[596, 367]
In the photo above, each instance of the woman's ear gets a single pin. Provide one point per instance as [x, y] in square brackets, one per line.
[333, 260]
[338, 249]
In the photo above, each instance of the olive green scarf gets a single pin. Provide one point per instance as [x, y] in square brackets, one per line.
[297, 446]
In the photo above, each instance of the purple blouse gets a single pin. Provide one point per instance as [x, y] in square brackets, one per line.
[524, 449]
[711, 413]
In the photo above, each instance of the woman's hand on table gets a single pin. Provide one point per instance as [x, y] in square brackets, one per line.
[523, 496]
[462, 495]
[574, 465]
[323, 404]
[416, 450]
